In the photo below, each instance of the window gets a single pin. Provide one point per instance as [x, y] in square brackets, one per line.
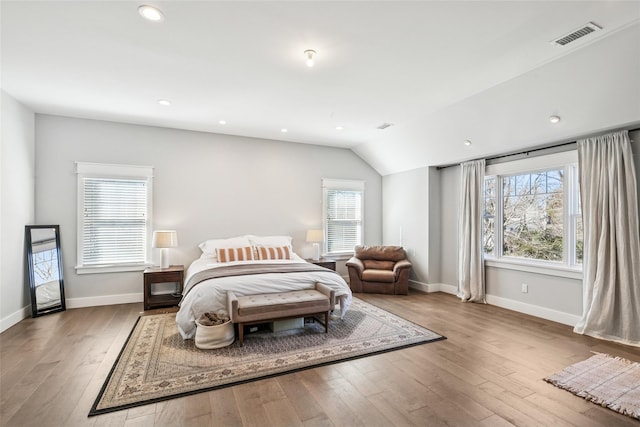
[114, 217]
[531, 212]
[342, 207]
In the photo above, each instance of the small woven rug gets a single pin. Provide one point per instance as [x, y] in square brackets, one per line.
[156, 364]
[612, 382]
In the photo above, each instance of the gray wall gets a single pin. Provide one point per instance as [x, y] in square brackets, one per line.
[557, 297]
[205, 186]
[411, 207]
[17, 206]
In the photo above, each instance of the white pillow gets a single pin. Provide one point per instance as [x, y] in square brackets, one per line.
[270, 240]
[208, 247]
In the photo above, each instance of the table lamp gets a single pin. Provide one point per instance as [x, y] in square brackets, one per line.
[165, 239]
[316, 237]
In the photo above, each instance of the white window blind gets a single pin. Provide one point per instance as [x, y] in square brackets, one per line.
[343, 208]
[114, 217]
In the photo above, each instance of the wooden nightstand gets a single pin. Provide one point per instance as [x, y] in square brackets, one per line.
[324, 262]
[153, 275]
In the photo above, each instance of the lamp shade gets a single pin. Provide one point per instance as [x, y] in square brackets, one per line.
[165, 239]
[315, 236]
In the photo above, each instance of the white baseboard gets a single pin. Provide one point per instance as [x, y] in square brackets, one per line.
[534, 310]
[426, 287]
[521, 307]
[13, 318]
[449, 289]
[104, 300]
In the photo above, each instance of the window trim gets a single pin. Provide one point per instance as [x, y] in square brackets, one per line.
[564, 160]
[340, 184]
[104, 170]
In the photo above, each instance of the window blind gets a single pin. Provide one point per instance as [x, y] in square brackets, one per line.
[343, 202]
[115, 221]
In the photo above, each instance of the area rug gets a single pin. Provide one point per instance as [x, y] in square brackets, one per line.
[157, 364]
[612, 382]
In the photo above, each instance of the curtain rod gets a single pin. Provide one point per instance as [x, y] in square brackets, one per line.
[533, 150]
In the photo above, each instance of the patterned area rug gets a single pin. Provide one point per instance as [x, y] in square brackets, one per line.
[157, 364]
[612, 382]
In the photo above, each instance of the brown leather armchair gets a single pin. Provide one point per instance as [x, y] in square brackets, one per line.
[379, 269]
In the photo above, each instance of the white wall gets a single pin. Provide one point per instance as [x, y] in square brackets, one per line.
[205, 186]
[552, 297]
[17, 172]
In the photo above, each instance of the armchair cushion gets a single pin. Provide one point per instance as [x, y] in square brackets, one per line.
[373, 264]
[381, 253]
[378, 275]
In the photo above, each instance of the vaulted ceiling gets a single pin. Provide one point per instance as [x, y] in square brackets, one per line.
[440, 72]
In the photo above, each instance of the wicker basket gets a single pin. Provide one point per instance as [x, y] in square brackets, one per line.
[215, 336]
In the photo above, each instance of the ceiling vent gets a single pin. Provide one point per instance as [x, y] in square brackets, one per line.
[576, 34]
[384, 126]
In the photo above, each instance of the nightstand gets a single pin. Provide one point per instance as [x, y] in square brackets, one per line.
[154, 275]
[324, 262]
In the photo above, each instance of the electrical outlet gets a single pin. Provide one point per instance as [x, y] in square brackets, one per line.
[525, 288]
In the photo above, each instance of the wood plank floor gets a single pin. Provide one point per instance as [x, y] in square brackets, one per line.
[487, 373]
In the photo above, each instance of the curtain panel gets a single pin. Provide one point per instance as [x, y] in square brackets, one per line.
[611, 266]
[470, 250]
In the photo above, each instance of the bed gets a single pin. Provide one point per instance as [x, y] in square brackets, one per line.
[249, 265]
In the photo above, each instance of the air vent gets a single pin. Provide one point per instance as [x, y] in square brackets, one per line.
[576, 34]
[384, 126]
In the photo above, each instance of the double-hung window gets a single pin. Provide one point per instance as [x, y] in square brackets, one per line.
[532, 213]
[114, 217]
[342, 207]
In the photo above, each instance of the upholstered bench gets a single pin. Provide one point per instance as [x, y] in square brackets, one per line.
[252, 309]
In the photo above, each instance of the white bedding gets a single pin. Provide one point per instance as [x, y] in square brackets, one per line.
[211, 295]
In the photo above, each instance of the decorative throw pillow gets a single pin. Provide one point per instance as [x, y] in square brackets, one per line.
[274, 252]
[234, 254]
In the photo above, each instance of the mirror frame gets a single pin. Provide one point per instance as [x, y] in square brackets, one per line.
[29, 273]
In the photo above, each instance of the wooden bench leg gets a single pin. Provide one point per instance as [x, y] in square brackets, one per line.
[326, 322]
[241, 333]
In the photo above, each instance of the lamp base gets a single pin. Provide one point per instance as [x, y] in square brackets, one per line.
[316, 246]
[164, 258]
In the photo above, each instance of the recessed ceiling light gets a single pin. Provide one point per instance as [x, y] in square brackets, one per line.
[309, 54]
[554, 119]
[283, 130]
[467, 142]
[339, 128]
[151, 13]
[164, 102]
[223, 122]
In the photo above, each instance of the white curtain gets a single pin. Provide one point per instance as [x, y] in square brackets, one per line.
[611, 262]
[470, 251]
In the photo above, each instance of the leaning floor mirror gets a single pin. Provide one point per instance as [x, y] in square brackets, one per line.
[43, 269]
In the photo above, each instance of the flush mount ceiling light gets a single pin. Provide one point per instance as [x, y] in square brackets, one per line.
[223, 122]
[339, 127]
[554, 119]
[283, 130]
[467, 142]
[151, 13]
[309, 54]
[164, 102]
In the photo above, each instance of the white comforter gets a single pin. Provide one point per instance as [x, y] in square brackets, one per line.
[211, 295]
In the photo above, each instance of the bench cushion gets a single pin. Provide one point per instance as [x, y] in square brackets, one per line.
[251, 308]
[269, 303]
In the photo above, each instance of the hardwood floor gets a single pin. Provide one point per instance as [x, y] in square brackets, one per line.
[487, 373]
